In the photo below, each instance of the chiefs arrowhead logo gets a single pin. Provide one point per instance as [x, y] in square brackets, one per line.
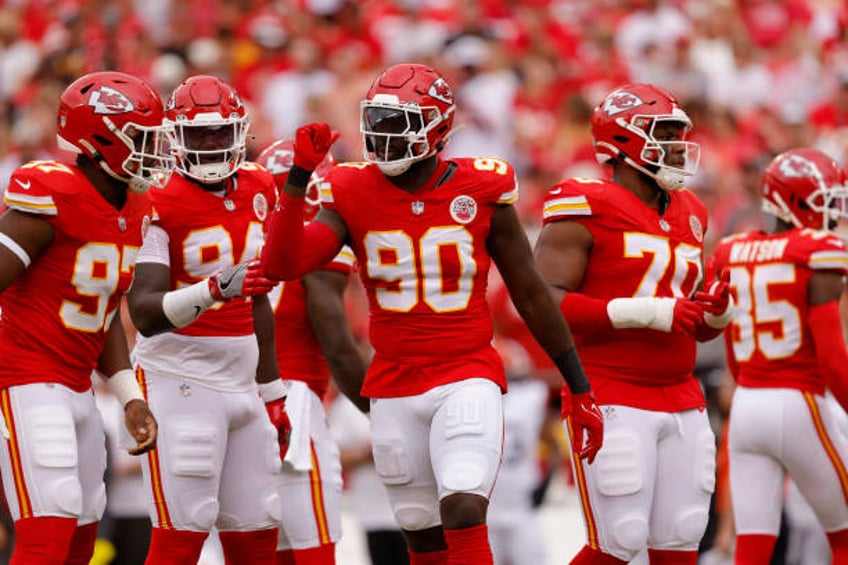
[441, 90]
[795, 166]
[280, 161]
[621, 101]
[107, 100]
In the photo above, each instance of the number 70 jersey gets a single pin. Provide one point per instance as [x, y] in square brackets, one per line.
[423, 257]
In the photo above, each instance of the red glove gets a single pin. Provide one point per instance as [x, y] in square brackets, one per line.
[687, 316]
[717, 301]
[311, 144]
[586, 419]
[244, 279]
[277, 413]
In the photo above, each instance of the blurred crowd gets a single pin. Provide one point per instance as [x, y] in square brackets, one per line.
[756, 76]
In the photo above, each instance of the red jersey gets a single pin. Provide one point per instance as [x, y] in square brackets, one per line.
[208, 232]
[299, 354]
[636, 252]
[424, 265]
[769, 275]
[56, 314]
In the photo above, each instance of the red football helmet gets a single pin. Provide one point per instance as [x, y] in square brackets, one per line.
[625, 126]
[278, 158]
[806, 188]
[116, 119]
[210, 126]
[406, 116]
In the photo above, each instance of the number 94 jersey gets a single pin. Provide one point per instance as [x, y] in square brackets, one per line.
[56, 314]
[424, 265]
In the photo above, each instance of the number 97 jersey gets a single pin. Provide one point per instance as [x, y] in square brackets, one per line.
[56, 313]
[424, 264]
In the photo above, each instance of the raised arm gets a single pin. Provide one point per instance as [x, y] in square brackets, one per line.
[292, 250]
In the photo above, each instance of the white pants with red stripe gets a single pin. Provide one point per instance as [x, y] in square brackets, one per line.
[312, 494]
[216, 461]
[778, 431]
[651, 482]
[53, 453]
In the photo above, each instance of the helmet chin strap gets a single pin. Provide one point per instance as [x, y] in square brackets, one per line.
[666, 179]
[394, 169]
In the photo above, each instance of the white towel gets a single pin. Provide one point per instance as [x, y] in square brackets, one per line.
[298, 407]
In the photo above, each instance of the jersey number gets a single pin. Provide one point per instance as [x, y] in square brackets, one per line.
[97, 272]
[408, 267]
[683, 255]
[754, 306]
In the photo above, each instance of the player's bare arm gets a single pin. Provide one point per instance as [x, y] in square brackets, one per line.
[22, 238]
[114, 363]
[150, 283]
[562, 253]
[326, 310]
[263, 326]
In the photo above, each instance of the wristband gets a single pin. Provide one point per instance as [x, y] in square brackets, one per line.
[571, 369]
[185, 305]
[299, 177]
[272, 391]
[124, 386]
[720, 321]
[18, 251]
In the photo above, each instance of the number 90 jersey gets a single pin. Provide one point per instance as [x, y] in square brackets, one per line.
[424, 264]
[636, 252]
[55, 315]
[769, 274]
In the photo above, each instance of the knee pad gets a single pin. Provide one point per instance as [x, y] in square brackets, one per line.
[630, 532]
[466, 472]
[617, 468]
[200, 513]
[54, 447]
[418, 514]
[273, 505]
[392, 463]
[689, 527]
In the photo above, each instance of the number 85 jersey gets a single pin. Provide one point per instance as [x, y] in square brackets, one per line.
[424, 265]
[55, 315]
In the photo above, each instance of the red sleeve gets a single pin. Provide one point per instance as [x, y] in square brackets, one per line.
[826, 327]
[585, 315]
[285, 255]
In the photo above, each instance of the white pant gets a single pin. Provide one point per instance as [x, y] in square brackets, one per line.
[445, 441]
[651, 482]
[216, 461]
[311, 497]
[54, 453]
[778, 431]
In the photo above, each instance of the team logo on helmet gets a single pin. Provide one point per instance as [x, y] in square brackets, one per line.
[463, 209]
[260, 206]
[107, 100]
[697, 228]
[621, 101]
[795, 166]
[441, 90]
[280, 161]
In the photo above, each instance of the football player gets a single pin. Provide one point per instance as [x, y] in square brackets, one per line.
[69, 237]
[313, 340]
[785, 347]
[425, 231]
[624, 257]
[206, 339]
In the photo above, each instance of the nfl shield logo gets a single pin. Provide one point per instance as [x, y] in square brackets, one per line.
[417, 207]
